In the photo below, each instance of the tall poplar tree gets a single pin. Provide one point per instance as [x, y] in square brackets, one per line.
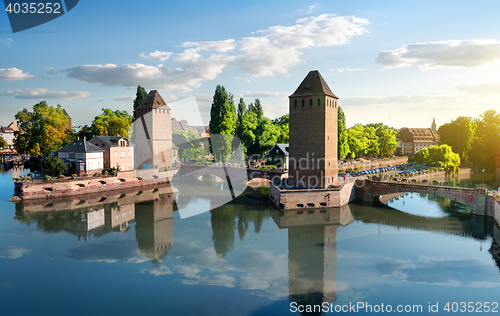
[140, 95]
[343, 146]
[222, 123]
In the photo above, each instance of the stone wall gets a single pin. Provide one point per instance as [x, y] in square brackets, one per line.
[312, 198]
[58, 188]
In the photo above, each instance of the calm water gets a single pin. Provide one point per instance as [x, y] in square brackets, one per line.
[133, 255]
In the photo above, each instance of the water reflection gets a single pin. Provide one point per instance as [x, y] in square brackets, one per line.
[238, 247]
[312, 252]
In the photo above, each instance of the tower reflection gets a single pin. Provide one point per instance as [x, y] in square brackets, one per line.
[312, 252]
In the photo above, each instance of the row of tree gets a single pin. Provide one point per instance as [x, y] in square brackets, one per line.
[256, 132]
[476, 140]
[439, 156]
[45, 128]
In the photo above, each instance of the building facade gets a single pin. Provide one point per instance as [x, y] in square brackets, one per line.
[278, 155]
[153, 133]
[313, 134]
[118, 151]
[412, 140]
[7, 133]
[82, 157]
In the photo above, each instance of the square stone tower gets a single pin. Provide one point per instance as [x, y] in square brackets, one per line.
[153, 133]
[313, 134]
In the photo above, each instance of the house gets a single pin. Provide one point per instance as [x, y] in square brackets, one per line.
[118, 151]
[412, 140]
[7, 133]
[278, 155]
[82, 157]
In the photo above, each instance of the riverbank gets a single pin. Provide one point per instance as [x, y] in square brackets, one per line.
[40, 189]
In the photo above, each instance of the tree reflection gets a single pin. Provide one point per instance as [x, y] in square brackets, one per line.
[235, 215]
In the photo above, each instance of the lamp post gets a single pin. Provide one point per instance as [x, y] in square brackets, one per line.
[380, 171]
[483, 176]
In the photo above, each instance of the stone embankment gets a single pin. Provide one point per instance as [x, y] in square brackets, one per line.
[58, 188]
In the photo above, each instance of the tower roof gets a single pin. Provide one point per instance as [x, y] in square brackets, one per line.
[313, 84]
[153, 101]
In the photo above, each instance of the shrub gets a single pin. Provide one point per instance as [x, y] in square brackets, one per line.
[61, 176]
[85, 174]
[48, 178]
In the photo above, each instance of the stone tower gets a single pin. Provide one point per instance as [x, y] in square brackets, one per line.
[153, 133]
[433, 126]
[313, 134]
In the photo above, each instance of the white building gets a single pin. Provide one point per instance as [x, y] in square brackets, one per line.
[82, 157]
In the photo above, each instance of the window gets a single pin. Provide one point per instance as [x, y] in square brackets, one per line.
[129, 164]
[80, 155]
[129, 153]
[71, 155]
[62, 155]
[303, 102]
[295, 102]
[319, 102]
[89, 166]
[116, 154]
[311, 102]
[122, 154]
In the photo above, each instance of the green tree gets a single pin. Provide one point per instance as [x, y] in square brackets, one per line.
[356, 140]
[55, 164]
[343, 146]
[439, 156]
[249, 125]
[459, 134]
[240, 114]
[487, 140]
[3, 143]
[111, 123]
[41, 131]
[140, 95]
[283, 125]
[223, 122]
[387, 140]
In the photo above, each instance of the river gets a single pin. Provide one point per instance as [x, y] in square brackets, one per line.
[136, 256]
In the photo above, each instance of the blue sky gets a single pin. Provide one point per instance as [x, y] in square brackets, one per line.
[397, 62]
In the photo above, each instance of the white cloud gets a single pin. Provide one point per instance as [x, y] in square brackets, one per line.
[275, 51]
[159, 76]
[442, 55]
[51, 71]
[160, 270]
[7, 42]
[281, 46]
[311, 8]
[45, 94]
[341, 70]
[157, 55]
[13, 74]
[217, 46]
[128, 98]
[12, 252]
[484, 88]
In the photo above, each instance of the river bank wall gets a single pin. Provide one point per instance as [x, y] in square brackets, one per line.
[27, 190]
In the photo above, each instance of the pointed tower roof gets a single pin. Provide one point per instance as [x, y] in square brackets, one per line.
[313, 84]
[153, 101]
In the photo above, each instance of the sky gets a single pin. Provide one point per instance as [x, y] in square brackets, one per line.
[401, 63]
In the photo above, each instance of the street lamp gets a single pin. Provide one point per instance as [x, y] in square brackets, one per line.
[380, 172]
[483, 176]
